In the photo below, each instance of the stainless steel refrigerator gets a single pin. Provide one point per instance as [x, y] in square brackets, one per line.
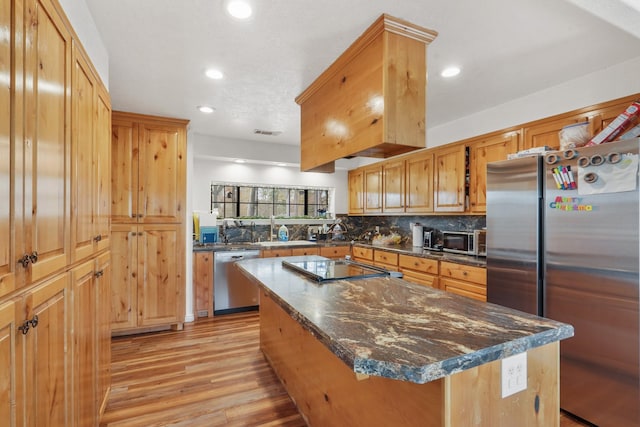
[563, 242]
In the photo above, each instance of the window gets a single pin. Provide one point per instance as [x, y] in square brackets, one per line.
[238, 201]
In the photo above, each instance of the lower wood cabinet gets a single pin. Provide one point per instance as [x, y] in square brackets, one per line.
[203, 284]
[422, 271]
[384, 259]
[363, 255]
[91, 340]
[335, 252]
[311, 250]
[147, 286]
[40, 370]
[275, 253]
[464, 280]
[11, 365]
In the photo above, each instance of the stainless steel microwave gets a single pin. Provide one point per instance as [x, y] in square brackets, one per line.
[465, 242]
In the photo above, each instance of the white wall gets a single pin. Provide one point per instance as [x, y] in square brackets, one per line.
[610, 83]
[207, 167]
[83, 24]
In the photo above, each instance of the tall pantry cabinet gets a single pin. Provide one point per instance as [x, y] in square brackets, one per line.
[54, 158]
[148, 222]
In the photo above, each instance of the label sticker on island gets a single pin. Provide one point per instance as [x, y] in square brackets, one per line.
[514, 374]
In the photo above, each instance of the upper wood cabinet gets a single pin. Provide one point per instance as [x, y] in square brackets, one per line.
[481, 152]
[372, 176]
[148, 169]
[10, 170]
[34, 144]
[546, 132]
[356, 192]
[371, 100]
[393, 184]
[419, 182]
[90, 169]
[449, 181]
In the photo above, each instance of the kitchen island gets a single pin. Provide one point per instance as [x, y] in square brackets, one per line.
[383, 351]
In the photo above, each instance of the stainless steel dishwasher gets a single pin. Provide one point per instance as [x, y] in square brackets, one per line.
[232, 292]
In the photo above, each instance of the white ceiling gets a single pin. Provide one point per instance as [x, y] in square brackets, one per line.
[159, 50]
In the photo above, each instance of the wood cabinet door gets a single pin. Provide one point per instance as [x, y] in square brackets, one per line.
[161, 174]
[356, 191]
[449, 181]
[160, 276]
[103, 329]
[373, 189]
[124, 170]
[124, 276]
[10, 171]
[335, 252]
[102, 170]
[47, 139]
[603, 116]
[480, 153]
[47, 361]
[83, 93]
[83, 282]
[393, 186]
[419, 183]
[203, 284]
[547, 131]
[11, 401]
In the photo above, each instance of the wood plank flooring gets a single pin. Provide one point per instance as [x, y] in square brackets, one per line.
[210, 374]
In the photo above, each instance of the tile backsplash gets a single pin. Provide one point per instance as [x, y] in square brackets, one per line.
[359, 227]
[362, 228]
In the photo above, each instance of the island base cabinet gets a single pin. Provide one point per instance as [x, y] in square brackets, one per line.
[327, 392]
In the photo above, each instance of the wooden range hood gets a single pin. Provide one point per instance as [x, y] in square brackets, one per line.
[371, 101]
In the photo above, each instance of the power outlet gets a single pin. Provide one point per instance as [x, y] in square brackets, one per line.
[514, 374]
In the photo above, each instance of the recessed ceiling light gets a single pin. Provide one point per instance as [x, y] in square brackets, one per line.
[214, 74]
[239, 9]
[240, 161]
[450, 72]
[206, 109]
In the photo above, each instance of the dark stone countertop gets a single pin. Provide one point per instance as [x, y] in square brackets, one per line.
[475, 261]
[395, 329]
[233, 246]
[401, 249]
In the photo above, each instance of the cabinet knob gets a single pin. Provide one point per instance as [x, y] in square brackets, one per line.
[97, 238]
[99, 273]
[25, 260]
[34, 258]
[24, 328]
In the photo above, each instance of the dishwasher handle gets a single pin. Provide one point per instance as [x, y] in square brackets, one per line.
[237, 256]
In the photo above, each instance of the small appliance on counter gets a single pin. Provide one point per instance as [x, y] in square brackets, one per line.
[429, 241]
[208, 234]
[465, 242]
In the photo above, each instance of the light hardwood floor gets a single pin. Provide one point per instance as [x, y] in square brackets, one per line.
[210, 374]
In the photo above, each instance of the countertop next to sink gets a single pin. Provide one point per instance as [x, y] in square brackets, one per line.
[390, 328]
[400, 249]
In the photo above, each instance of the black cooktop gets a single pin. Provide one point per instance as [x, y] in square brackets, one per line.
[330, 269]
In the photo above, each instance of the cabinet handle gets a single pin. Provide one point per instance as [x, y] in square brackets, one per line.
[34, 258]
[99, 273]
[24, 328]
[25, 261]
[97, 238]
